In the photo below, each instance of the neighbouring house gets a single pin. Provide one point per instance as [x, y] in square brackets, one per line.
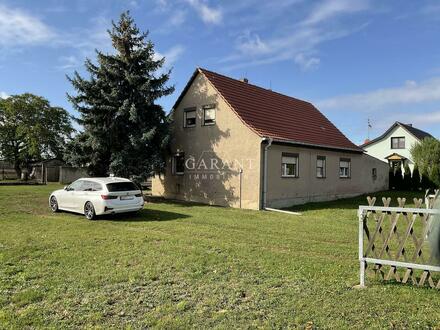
[394, 146]
[240, 145]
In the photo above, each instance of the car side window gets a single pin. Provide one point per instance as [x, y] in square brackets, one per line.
[87, 186]
[75, 186]
[96, 186]
[91, 186]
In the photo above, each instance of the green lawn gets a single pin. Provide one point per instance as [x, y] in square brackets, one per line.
[179, 266]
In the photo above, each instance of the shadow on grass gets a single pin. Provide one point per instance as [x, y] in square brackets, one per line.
[180, 203]
[144, 215]
[392, 283]
[354, 202]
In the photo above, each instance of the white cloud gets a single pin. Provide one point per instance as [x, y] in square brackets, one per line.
[69, 62]
[209, 15]
[252, 44]
[429, 118]
[177, 18]
[299, 39]
[171, 56]
[307, 63]
[410, 92]
[330, 8]
[3, 95]
[20, 28]
[83, 43]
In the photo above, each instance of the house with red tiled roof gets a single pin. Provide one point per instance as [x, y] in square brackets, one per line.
[240, 145]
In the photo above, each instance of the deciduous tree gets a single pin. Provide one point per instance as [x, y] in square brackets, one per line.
[32, 130]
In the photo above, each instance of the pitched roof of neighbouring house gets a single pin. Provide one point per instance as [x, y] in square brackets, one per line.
[418, 133]
[274, 115]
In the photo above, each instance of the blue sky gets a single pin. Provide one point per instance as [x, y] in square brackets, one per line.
[354, 59]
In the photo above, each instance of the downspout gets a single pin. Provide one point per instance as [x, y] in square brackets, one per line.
[264, 206]
[266, 148]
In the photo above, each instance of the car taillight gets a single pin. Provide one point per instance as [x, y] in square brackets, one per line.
[108, 197]
[138, 195]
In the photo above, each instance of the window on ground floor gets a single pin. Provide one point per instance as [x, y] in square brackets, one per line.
[289, 165]
[345, 168]
[179, 164]
[320, 167]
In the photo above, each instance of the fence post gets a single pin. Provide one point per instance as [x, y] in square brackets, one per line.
[361, 249]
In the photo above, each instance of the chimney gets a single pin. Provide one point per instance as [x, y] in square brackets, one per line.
[245, 80]
[410, 125]
[366, 141]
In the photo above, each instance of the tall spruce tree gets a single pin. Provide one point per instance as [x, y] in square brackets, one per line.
[125, 131]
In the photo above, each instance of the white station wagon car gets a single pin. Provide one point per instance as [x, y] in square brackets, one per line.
[98, 196]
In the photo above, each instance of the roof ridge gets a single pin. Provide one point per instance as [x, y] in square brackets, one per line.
[291, 119]
[253, 85]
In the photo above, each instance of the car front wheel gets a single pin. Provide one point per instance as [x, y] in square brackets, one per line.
[53, 203]
[89, 211]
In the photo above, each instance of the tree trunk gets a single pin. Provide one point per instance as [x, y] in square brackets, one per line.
[17, 169]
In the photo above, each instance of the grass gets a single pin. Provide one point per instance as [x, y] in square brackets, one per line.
[180, 266]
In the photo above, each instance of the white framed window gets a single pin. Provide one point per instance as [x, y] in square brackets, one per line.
[178, 163]
[189, 117]
[345, 168]
[398, 142]
[209, 114]
[320, 166]
[289, 165]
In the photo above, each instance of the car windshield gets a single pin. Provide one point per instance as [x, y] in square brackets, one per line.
[121, 186]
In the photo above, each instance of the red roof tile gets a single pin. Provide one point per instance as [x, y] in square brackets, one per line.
[278, 116]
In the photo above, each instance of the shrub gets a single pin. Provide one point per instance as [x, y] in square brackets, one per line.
[398, 179]
[391, 181]
[406, 183]
[416, 180]
[434, 176]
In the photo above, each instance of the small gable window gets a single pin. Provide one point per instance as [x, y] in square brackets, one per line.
[209, 114]
[398, 142]
[190, 117]
[344, 168]
[289, 165]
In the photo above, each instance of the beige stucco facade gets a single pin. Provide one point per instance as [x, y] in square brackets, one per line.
[224, 162]
[219, 151]
[307, 187]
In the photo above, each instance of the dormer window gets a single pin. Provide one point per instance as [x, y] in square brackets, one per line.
[209, 114]
[189, 117]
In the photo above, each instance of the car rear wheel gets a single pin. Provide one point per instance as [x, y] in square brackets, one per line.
[53, 203]
[89, 211]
